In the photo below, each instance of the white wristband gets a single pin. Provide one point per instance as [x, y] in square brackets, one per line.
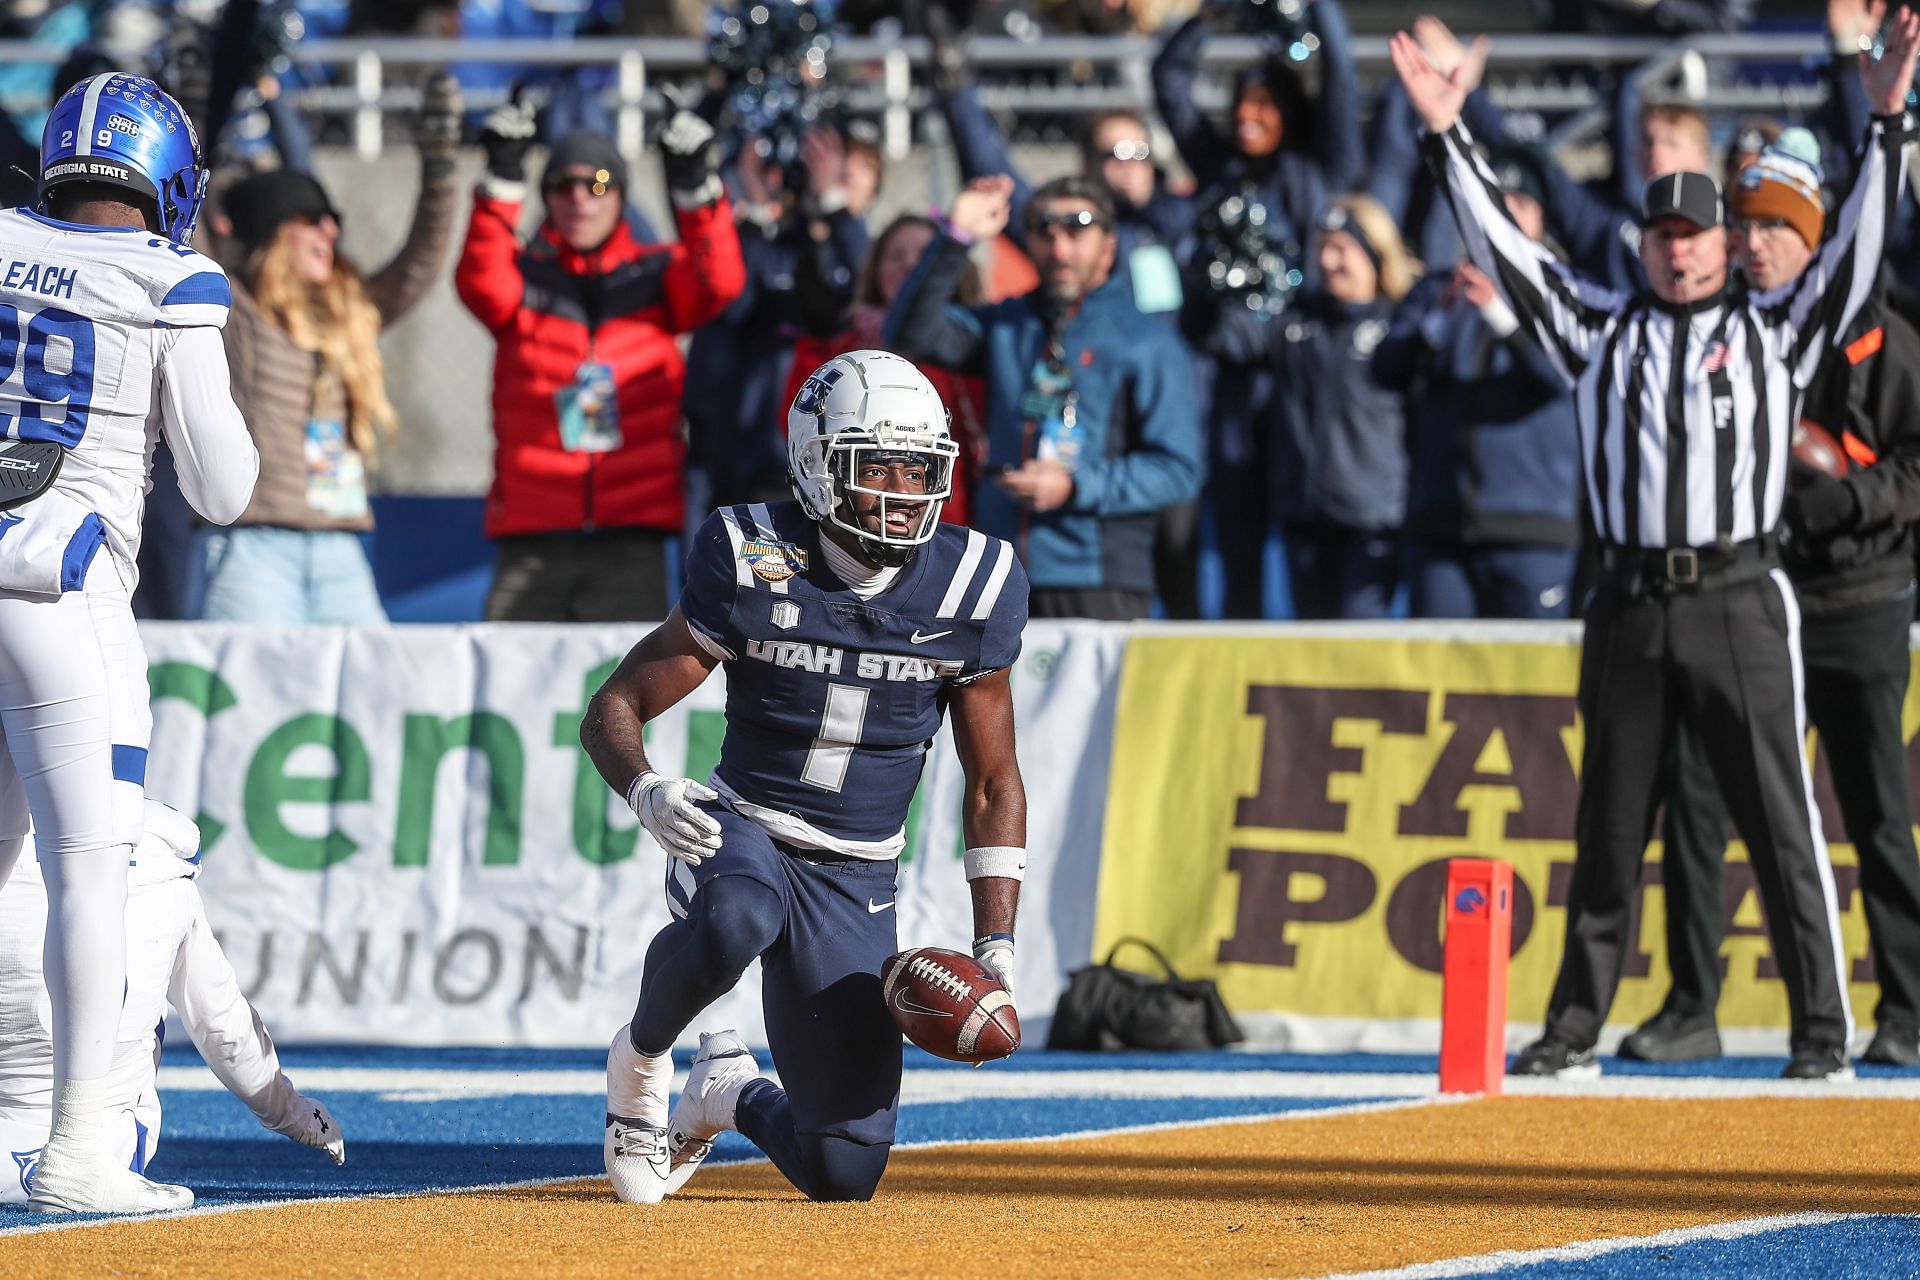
[1006, 860]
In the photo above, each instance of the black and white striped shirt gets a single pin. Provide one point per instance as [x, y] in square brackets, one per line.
[1685, 412]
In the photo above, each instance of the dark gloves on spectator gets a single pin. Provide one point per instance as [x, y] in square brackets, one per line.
[507, 136]
[1819, 507]
[437, 129]
[686, 147]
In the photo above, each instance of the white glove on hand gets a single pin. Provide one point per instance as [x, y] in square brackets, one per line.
[309, 1123]
[669, 809]
[996, 952]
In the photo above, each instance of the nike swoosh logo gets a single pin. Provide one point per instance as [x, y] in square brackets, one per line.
[873, 910]
[904, 1003]
[917, 638]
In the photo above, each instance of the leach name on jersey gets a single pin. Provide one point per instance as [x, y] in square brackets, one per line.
[88, 317]
[833, 701]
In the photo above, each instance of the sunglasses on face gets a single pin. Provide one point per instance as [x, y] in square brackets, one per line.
[1129, 149]
[1073, 223]
[597, 185]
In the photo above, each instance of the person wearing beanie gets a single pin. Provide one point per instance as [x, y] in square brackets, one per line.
[1850, 555]
[303, 341]
[587, 375]
[1262, 182]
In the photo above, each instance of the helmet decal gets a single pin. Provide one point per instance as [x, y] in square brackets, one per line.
[126, 131]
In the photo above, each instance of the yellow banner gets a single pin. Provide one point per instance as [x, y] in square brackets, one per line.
[1282, 810]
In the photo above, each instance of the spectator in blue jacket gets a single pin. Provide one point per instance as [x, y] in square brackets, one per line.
[802, 250]
[1262, 182]
[1341, 455]
[1090, 421]
[1116, 149]
[1493, 512]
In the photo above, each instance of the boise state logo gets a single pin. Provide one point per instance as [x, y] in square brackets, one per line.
[24, 1163]
[773, 561]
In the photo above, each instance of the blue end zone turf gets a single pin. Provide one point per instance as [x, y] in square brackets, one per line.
[1876, 1246]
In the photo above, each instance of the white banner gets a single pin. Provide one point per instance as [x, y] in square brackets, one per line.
[405, 843]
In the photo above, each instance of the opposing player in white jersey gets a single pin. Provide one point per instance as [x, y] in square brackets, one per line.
[109, 332]
[172, 958]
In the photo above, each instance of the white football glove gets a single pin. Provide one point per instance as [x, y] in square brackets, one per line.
[308, 1122]
[669, 809]
[996, 952]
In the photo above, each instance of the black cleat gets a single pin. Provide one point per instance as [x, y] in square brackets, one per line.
[1673, 1037]
[1550, 1057]
[1818, 1062]
[1893, 1046]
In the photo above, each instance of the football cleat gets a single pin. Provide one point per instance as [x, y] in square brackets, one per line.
[723, 1067]
[635, 1144]
[59, 1188]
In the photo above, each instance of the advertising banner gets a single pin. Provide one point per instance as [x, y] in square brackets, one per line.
[405, 842]
[1284, 806]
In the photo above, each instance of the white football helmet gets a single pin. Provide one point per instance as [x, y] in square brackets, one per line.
[853, 407]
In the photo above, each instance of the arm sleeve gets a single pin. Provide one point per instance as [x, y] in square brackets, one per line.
[1566, 314]
[1338, 148]
[290, 136]
[713, 578]
[212, 451]
[1889, 490]
[1175, 70]
[1164, 466]
[1629, 172]
[1819, 305]
[1006, 622]
[396, 287]
[707, 271]
[925, 323]
[487, 276]
[1395, 166]
[227, 1031]
[1398, 359]
[979, 147]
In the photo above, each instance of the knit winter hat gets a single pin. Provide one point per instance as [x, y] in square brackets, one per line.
[260, 203]
[595, 151]
[1783, 183]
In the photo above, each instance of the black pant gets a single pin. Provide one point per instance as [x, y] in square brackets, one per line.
[1723, 658]
[607, 575]
[1857, 665]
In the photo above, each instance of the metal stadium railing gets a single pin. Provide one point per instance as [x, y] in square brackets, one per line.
[1526, 72]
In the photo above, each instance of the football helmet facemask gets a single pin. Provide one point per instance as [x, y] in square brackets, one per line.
[858, 409]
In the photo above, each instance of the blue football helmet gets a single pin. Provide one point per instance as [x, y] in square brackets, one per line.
[126, 131]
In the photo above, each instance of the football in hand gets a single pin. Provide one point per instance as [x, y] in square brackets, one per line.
[950, 1004]
[1815, 449]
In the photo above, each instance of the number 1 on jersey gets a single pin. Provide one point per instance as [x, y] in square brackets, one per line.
[840, 726]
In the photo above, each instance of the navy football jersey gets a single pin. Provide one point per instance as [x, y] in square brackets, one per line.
[832, 701]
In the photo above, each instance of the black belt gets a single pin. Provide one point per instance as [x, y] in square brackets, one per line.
[1670, 570]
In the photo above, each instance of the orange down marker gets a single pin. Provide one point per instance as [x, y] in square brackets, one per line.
[1473, 1010]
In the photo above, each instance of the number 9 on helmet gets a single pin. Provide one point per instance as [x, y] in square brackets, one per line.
[127, 132]
[856, 411]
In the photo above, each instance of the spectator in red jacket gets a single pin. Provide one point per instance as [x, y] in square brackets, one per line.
[587, 378]
[889, 262]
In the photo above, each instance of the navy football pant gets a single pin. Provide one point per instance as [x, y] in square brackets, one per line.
[821, 927]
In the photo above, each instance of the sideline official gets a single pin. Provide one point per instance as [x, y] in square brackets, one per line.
[1849, 550]
[1686, 396]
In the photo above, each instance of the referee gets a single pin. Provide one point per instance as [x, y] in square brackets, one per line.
[1686, 397]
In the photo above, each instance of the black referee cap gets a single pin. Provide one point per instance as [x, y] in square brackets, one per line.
[1693, 196]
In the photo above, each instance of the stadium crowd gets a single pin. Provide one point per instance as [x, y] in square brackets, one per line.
[1264, 352]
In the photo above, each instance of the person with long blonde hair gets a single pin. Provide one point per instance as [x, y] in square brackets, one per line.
[303, 341]
[1341, 450]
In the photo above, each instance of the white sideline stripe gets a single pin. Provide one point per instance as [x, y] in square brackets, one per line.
[939, 1085]
[209, 1211]
[1508, 1259]
[963, 575]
